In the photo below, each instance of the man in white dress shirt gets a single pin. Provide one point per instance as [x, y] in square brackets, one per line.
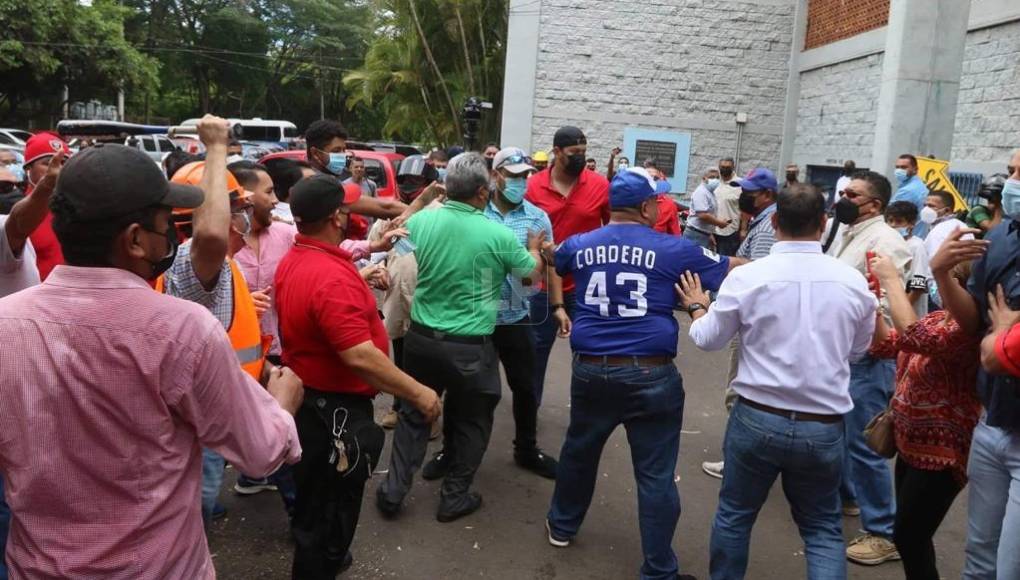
[802, 317]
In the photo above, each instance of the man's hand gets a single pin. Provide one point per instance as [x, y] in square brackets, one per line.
[536, 240]
[376, 276]
[389, 237]
[615, 152]
[428, 404]
[1000, 314]
[955, 251]
[563, 323]
[49, 181]
[213, 130]
[287, 388]
[262, 300]
[885, 270]
[690, 292]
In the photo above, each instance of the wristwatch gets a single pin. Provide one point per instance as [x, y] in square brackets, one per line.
[555, 307]
[695, 307]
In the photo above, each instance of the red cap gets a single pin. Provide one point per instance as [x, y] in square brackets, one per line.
[44, 145]
[352, 192]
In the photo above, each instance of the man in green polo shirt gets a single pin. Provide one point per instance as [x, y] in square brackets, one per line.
[463, 258]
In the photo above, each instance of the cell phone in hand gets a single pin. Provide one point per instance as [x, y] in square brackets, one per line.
[872, 278]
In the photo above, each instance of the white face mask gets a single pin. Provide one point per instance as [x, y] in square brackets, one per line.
[928, 215]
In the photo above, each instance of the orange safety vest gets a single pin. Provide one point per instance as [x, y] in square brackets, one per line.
[244, 332]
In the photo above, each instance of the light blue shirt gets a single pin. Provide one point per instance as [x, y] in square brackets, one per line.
[916, 192]
[527, 217]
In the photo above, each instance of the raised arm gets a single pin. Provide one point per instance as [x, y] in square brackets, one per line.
[955, 297]
[211, 225]
[29, 213]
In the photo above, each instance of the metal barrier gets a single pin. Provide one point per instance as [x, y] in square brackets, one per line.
[968, 185]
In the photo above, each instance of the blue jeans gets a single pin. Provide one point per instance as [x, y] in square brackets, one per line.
[867, 478]
[649, 402]
[993, 517]
[758, 447]
[212, 479]
[698, 237]
[5, 523]
[543, 327]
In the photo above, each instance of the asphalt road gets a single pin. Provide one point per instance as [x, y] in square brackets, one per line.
[506, 538]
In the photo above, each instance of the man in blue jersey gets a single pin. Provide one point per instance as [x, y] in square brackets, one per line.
[624, 340]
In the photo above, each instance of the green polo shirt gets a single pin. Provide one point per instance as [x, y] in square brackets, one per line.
[463, 259]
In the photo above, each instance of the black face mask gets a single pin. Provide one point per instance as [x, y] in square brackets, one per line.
[488, 162]
[164, 264]
[791, 177]
[726, 173]
[746, 202]
[575, 164]
[847, 211]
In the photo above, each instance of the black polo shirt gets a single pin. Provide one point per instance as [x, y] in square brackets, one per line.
[1000, 394]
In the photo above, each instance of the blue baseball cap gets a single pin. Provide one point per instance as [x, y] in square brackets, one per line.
[760, 179]
[631, 187]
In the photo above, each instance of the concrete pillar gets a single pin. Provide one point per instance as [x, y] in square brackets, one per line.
[521, 67]
[920, 80]
[793, 87]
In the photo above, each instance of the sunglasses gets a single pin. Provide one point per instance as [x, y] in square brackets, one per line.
[514, 159]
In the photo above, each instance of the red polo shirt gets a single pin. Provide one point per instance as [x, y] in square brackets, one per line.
[48, 254]
[1007, 350]
[586, 208]
[324, 308]
[669, 218]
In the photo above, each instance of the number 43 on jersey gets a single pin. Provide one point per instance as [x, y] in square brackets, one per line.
[598, 294]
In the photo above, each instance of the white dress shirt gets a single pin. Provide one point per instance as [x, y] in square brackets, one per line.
[942, 230]
[17, 272]
[802, 317]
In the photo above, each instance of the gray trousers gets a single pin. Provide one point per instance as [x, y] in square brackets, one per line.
[469, 375]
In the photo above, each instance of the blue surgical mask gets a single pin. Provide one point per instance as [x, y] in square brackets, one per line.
[514, 189]
[18, 171]
[904, 232]
[622, 166]
[901, 176]
[442, 174]
[337, 163]
[1011, 198]
[711, 184]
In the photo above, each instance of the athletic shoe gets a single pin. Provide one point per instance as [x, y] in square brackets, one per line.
[871, 550]
[387, 508]
[713, 469]
[555, 540]
[248, 486]
[437, 467]
[389, 420]
[536, 462]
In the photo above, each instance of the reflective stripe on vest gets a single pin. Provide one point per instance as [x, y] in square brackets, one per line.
[249, 355]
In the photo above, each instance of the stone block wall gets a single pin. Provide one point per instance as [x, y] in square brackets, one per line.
[836, 112]
[988, 113]
[673, 65]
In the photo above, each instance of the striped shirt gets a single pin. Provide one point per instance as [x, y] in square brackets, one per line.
[527, 217]
[761, 236]
[183, 283]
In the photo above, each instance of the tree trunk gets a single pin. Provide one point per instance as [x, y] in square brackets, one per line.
[464, 45]
[435, 67]
[428, 115]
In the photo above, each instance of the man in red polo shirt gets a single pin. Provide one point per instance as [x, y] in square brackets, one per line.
[577, 201]
[331, 334]
[39, 150]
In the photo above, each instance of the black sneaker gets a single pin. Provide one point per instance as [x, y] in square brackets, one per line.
[387, 508]
[474, 502]
[537, 462]
[348, 562]
[437, 467]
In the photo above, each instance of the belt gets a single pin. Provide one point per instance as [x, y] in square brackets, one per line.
[792, 415]
[626, 361]
[440, 335]
[702, 232]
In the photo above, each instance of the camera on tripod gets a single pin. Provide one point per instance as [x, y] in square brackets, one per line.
[472, 115]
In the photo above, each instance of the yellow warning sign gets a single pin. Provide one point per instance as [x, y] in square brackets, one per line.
[935, 174]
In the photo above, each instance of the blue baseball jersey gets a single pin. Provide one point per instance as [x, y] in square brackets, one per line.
[625, 297]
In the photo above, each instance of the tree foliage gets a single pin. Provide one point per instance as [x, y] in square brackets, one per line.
[386, 68]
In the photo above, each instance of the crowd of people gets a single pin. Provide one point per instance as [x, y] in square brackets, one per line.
[219, 310]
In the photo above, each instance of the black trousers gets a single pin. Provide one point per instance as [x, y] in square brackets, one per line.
[329, 503]
[515, 346]
[922, 500]
[469, 376]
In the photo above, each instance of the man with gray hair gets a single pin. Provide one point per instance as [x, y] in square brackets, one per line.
[463, 259]
[701, 226]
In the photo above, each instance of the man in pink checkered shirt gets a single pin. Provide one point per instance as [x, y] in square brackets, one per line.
[115, 389]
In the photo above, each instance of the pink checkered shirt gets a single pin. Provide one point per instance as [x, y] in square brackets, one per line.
[109, 391]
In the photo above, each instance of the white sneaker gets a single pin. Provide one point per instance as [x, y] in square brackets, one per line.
[713, 469]
[553, 540]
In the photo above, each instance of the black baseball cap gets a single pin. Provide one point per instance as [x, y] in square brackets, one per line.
[108, 181]
[568, 137]
[315, 197]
